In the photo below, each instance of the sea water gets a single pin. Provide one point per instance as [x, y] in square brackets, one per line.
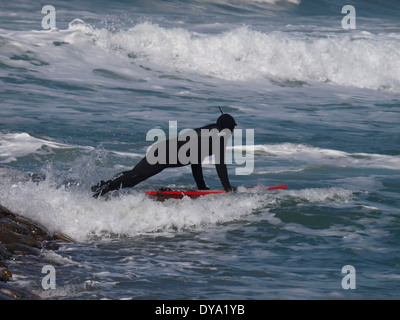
[76, 103]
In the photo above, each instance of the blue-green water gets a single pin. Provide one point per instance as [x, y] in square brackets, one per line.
[77, 102]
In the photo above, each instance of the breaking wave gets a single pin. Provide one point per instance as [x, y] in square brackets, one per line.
[360, 59]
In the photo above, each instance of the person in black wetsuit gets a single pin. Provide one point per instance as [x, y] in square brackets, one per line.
[212, 137]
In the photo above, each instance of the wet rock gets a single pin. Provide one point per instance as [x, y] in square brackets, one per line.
[13, 226]
[7, 292]
[22, 249]
[4, 254]
[61, 237]
[5, 275]
[19, 238]
[7, 237]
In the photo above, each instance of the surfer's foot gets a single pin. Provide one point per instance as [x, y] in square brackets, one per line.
[100, 189]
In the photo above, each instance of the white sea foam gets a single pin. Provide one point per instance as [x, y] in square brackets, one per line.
[15, 145]
[239, 54]
[322, 156]
[79, 216]
[75, 213]
[244, 54]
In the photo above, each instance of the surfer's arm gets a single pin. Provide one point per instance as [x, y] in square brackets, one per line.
[197, 172]
[223, 176]
[221, 166]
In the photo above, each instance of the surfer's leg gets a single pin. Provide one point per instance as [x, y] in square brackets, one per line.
[128, 179]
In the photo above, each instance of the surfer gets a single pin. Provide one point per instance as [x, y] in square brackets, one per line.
[215, 135]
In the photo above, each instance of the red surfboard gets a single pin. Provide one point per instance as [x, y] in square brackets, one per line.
[179, 194]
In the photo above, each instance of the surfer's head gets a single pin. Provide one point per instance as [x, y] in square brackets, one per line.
[226, 121]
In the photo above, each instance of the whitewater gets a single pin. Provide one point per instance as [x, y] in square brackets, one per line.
[77, 101]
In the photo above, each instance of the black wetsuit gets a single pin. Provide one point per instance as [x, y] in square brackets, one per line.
[217, 135]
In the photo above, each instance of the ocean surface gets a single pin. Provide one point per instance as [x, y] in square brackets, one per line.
[76, 104]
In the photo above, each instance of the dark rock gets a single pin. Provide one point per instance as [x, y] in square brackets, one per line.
[7, 237]
[21, 238]
[21, 248]
[7, 292]
[5, 275]
[4, 254]
[13, 226]
[61, 237]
